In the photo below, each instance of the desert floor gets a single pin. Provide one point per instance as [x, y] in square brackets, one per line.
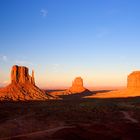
[71, 119]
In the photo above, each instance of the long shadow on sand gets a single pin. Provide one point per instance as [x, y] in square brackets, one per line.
[81, 95]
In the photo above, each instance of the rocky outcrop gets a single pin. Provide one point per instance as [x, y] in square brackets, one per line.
[133, 80]
[22, 87]
[20, 74]
[132, 90]
[77, 86]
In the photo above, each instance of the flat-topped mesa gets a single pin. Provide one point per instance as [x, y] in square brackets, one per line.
[20, 74]
[133, 80]
[77, 86]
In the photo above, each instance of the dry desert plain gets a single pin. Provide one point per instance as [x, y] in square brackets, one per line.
[29, 113]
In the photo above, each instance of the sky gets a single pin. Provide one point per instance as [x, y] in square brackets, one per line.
[98, 40]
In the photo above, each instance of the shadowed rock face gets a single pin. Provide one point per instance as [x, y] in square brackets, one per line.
[77, 86]
[22, 86]
[133, 80]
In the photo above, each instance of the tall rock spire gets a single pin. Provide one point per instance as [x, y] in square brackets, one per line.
[14, 74]
[33, 78]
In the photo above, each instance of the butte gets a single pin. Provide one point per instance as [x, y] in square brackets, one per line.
[22, 87]
[132, 90]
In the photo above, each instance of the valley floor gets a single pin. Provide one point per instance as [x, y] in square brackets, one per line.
[71, 119]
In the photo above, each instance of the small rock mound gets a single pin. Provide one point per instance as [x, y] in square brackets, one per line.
[22, 87]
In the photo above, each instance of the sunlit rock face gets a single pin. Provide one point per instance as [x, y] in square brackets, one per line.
[20, 74]
[22, 86]
[132, 89]
[133, 80]
[77, 86]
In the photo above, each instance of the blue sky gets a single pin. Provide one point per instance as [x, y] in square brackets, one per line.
[98, 40]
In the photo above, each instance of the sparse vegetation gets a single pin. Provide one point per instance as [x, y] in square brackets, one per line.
[27, 117]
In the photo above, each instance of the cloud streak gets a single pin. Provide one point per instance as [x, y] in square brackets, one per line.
[43, 12]
[3, 58]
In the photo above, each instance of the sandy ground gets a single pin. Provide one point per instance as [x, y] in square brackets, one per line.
[82, 119]
[125, 93]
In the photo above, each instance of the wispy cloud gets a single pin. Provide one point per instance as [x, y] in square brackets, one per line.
[43, 12]
[3, 58]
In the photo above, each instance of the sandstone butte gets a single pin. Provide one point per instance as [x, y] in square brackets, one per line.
[77, 87]
[22, 87]
[132, 90]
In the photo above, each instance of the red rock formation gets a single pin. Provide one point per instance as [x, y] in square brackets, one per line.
[33, 78]
[132, 90]
[77, 86]
[133, 80]
[20, 74]
[22, 86]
